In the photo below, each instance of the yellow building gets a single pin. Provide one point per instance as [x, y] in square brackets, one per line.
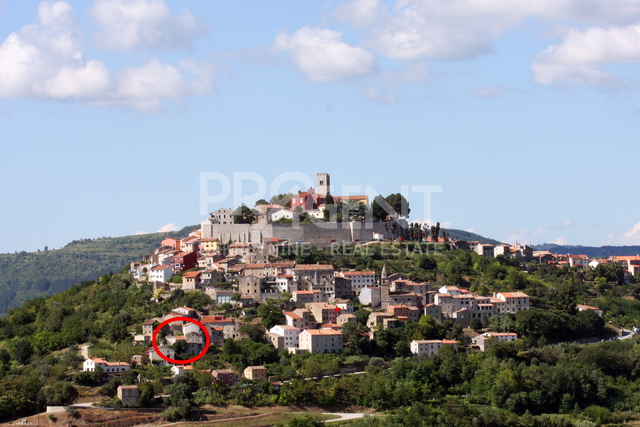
[209, 245]
[255, 373]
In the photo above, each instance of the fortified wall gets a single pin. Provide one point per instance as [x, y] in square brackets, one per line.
[321, 232]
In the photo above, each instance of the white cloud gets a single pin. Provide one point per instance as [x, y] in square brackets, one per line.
[360, 13]
[455, 29]
[583, 53]
[168, 227]
[322, 56]
[446, 29]
[560, 241]
[628, 237]
[87, 82]
[463, 29]
[55, 14]
[541, 234]
[471, 230]
[372, 93]
[130, 24]
[146, 87]
[46, 61]
[139, 233]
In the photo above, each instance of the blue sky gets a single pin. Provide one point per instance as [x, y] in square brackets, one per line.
[525, 115]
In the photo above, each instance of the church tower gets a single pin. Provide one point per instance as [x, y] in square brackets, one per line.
[384, 288]
[323, 184]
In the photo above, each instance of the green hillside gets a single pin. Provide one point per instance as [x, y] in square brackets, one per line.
[522, 383]
[470, 237]
[27, 275]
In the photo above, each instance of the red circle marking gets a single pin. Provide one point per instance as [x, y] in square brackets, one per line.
[154, 341]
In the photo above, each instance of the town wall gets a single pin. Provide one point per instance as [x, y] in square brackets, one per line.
[321, 232]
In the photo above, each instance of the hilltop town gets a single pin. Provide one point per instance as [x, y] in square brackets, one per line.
[315, 303]
[268, 296]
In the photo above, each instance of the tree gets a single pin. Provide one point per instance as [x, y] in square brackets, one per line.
[271, 313]
[177, 392]
[58, 394]
[282, 200]
[261, 202]
[21, 351]
[252, 330]
[237, 296]
[427, 262]
[394, 205]
[180, 347]
[566, 297]
[305, 421]
[362, 315]
[377, 208]
[399, 204]
[355, 338]
[146, 394]
[244, 215]
[475, 324]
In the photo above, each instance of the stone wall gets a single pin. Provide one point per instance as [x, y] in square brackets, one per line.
[321, 232]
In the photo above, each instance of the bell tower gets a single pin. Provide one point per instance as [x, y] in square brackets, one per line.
[323, 184]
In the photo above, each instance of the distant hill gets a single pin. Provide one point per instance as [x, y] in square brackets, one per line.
[590, 251]
[28, 275]
[470, 237]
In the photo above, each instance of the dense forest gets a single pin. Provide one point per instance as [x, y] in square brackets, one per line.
[541, 379]
[26, 275]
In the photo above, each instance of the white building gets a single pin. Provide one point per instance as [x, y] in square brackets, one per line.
[155, 359]
[160, 273]
[180, 369]
[430, 347]
[450, 290]
[90, 365]
[286, 335]
[279, 213]
[222, 216]
[370, 296]
[483, 340]
[485, 250]
[360, 279]
[318, 341]
[514, 301]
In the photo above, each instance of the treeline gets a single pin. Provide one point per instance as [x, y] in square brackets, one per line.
[528, 378]
[545, 386]
[25, 275]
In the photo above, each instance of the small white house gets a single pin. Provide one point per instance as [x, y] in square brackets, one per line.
[90, 365]
[276, 214]
[160, 273]
[155, 359]
[180, 369]
[430, 347]
[482, 341]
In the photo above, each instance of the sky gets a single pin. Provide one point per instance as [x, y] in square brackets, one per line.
[514, 119]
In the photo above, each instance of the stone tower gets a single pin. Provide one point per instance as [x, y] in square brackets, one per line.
[323, 184]
[384, 288]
